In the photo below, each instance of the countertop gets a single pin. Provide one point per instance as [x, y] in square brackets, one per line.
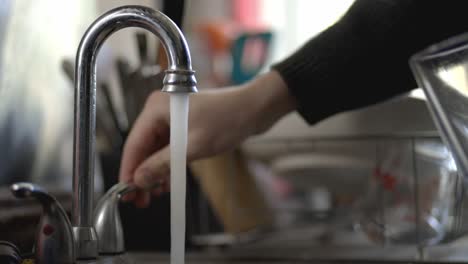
[154, 258]
[297, 246]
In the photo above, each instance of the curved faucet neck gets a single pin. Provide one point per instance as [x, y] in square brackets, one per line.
[179, 78]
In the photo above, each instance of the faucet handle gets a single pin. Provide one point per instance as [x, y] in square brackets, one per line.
[54, 238]
[9, 253]
[107, 221]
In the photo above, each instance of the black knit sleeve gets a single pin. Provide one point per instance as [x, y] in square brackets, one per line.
[363, 58]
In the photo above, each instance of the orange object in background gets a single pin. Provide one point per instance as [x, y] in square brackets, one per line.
[237, 47]
[236, 54]
[221, 34]
[218, 36]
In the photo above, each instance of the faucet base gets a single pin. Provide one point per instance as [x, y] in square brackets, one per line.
[86, 242]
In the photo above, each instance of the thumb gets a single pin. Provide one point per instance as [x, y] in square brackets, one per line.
[154, 170]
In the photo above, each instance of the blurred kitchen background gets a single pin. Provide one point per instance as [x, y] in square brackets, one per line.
[361, 182]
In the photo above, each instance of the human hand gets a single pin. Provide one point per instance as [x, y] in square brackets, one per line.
[218, 121]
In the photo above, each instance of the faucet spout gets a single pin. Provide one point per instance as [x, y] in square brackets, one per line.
[179, 78]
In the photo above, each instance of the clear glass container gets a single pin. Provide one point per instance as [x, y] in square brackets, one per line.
[414, 193]
[441, 70]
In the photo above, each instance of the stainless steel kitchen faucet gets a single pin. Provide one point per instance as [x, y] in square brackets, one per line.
[179, 78]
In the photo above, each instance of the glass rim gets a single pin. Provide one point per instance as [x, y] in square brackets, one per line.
[445, 47]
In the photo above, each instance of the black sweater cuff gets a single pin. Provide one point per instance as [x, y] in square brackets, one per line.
[363, 58]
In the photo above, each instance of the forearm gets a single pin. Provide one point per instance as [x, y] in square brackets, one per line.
[269, 99]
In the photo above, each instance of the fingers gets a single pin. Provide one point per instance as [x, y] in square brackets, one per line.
[149, 133]
[152, 176]
[128, 197]
[161, 189]
[154, 170]
[142, 199]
